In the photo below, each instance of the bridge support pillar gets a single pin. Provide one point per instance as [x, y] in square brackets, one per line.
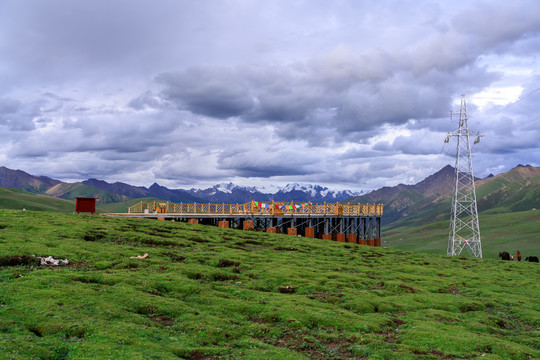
[326, 236]
[292, 231]
[339, 237]
[369, 233]
[327, 227]
[363, 228]
[362, 241]
[309, 232]
[352, 238]
[378, 228]
[247, 225]
[193, 221]
[271, 230]
[371, 242]
[223, 224]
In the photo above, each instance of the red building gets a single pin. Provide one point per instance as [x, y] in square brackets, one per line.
[85, 204]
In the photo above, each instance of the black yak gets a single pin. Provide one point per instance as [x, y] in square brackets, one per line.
[531, 258]
[505, 255]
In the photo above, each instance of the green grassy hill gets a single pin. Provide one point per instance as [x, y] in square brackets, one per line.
[507, 219]
[209, 293]
[18, 199]
[498, 231]
[509, 195]
[429, 200]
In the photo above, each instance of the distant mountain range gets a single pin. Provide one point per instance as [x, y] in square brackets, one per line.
[116, 192]
[404, 205]
[429, 200]
[230, 193]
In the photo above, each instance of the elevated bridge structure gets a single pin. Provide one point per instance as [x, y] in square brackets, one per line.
[354, 223]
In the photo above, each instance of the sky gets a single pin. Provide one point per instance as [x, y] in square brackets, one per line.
[348, 94]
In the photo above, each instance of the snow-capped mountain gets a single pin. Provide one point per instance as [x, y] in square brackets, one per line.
[230, 187]
[230, 193]
[318, 191]
[313, 193]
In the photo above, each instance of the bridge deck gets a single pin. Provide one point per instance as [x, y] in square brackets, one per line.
[228, 216]
[357, 223]
[255, 208]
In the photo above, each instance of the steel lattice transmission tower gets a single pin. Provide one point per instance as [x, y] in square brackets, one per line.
[464, 227]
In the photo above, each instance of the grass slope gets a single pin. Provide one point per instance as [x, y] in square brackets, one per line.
[18, 199]
[498, 232]
[210, 293]
[122, 207]
[512, 196]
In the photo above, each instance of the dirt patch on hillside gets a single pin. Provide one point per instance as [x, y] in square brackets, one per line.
[17, 260]
[197, 355]
[409, 289]
[162, 320]
[317, 347]
[326, 297]
[227, 263]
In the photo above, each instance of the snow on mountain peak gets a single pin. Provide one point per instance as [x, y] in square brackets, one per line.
[230, 187]
[225, 187]
[314, 191]
[290, 187]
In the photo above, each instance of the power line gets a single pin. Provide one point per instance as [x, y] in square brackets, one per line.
[521, 98]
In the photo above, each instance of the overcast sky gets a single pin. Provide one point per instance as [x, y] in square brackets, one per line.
[348, 94]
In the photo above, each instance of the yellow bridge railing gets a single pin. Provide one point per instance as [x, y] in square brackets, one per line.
[258, 208]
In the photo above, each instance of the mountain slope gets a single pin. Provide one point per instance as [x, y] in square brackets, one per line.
[515, 190]
[18, 179]
[127, 190]
[429, 200]
[177, 195]
[70, 191]
[403, 200]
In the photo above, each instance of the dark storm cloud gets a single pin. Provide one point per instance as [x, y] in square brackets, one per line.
[269, 162]
[309, 97]
[218, 93]
[367, 89]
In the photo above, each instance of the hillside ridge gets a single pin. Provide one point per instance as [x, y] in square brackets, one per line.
[516, 190]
